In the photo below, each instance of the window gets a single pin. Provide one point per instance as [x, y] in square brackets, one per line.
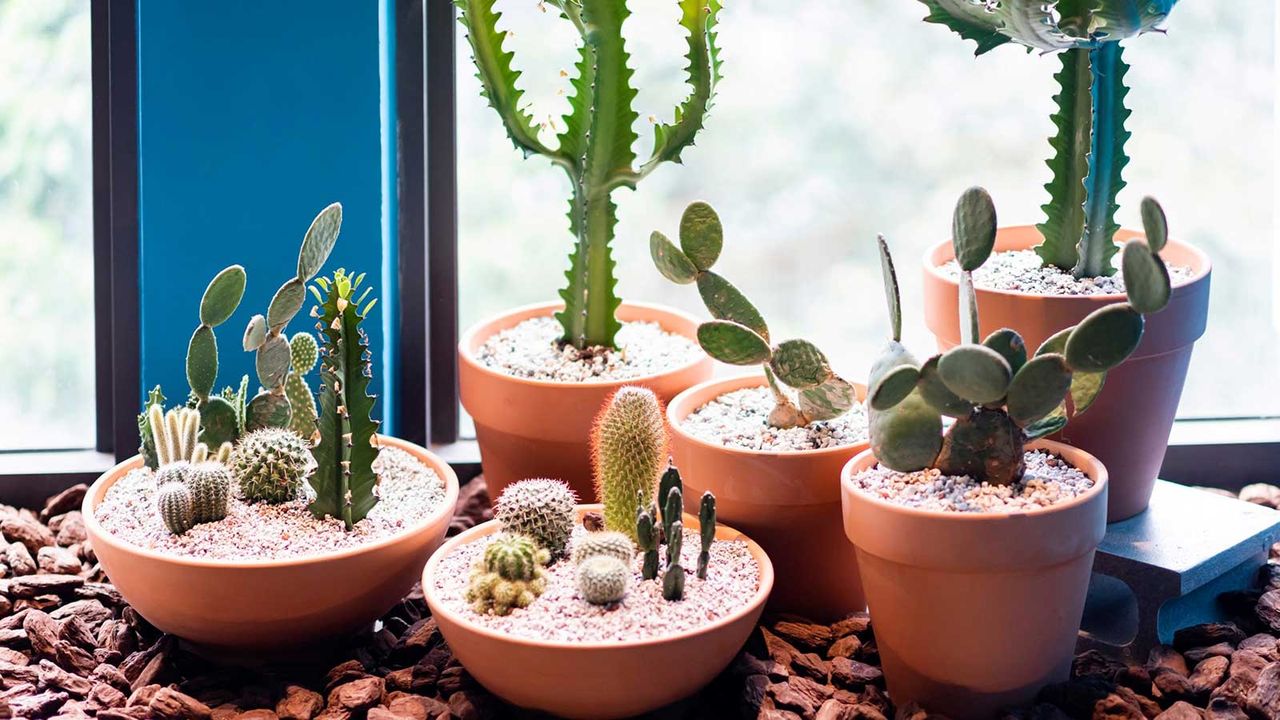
[47, 393]
[836, 121]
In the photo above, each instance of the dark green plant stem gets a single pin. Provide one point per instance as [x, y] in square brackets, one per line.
[1106, 161]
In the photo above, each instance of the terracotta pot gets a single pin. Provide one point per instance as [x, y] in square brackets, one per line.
[789, 502]
[537, 428]
[975, 612]
[599, 679]
[1128, 426]
[252, 606]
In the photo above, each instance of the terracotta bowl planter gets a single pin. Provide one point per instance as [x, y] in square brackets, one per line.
[788, 501]
[1128, 426]
[975, 612]
[537, 428]
[596, 680]
[269, 606]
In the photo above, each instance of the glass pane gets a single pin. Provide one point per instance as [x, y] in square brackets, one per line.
[46, 226]
[836, 121]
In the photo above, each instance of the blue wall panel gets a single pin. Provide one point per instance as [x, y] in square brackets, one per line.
[252, 117]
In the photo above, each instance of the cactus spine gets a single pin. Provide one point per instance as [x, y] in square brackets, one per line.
[594, 148]
[270, 464]
[173, 502]
[629, 452]
[739, 335]
[707, 530]
[509, 575]
[210, 487]
[603, 579]
[303, 354]
[220, 300]
[540, 508]
[174, 435]
[607, 542]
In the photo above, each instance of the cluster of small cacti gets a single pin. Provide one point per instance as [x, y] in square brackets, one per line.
[540, 508]
[604, 560]
[189, 493]
[653, 527]
[270, 464]
[174, 435]
[628, 452]
[739, 335]
[595, 147]
[509, 575]
[999, 396]
[304, 353]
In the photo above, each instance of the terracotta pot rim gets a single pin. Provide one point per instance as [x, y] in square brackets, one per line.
[469, 338]
[1100, 483]
[104, 482]
[1199, 275]
[488, 528]
[674, 422]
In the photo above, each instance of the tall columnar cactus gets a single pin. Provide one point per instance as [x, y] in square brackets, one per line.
[707, 531]
[304, 353]
[673, 579]
[220, 300]
[508, 576]
[628, 452]
[1000, 396]
[540, 508]
[344, 480]
[270, 464]
[1079, 227]
[739, 335]
[647, 539]
[595, 146]
[265, 334]
[174, 434]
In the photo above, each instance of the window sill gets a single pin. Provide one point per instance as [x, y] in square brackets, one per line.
[28, 478]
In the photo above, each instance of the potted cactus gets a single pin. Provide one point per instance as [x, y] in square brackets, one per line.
[975, 537]
[231, 524]
[560, 360]
[597, 595]
[1056, 273]
[769, 445]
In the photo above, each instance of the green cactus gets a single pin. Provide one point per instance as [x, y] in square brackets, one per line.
[999, 398]
[221, 298]
[222, 455]
[173, 502]
[174, 434]
[265, 334]
[707, 531]
[647, 539]
[673, 579]
[603, 579]
[304, 353]
[738, 335]
[210, 486]
[595, 146]
[540, 508]
[1080, 227]
[629, 452]
[344, 479]
[147, 440]
[605, 542]
[270, 464]
[672, 513]
[510, 575]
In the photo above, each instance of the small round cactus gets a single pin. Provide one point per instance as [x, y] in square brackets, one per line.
[270, 464]
[539, 508]
[173, 501]
[508, 576]
[607, 543]
[176, 472]
[603, 579]
[210, 486]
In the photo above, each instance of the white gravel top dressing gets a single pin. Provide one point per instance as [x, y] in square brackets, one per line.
[531, 350]
[739, 419]
[1048, 481]
[409, 492]
[1023, 271]
[561, 615]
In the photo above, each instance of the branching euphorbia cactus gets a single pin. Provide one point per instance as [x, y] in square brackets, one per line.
[1001, 398]
[739, 335]
[595, 146]
[1079, 228]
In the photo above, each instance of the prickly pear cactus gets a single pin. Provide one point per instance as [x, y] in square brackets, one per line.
[603, 579]
[739, 335]
[540, 508]
[304, 353]
[510, 575]
[220, 300]
[629, 453]
[606, 542]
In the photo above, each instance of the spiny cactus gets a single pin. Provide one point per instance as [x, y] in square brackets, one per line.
[509, 575]
[210, 486]
[595, 146]
[647, 539]
[673, 580]
[707, 530]
[147, 439]
[603, 579]
[174, 434]
[265, 334]
[607, 542]
[222, 455]
[1079, 229]
[1000, 396]
[739, 335]
[173, 502]
[303, 354]
[541, 508]
[629, 452]
[220, 300]
[344, 454]
[270, 464]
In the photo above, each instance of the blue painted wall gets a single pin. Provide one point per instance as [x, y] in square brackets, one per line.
[252, 117]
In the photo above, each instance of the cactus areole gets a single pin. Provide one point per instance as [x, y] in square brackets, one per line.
[594, 143]
[1089, 114]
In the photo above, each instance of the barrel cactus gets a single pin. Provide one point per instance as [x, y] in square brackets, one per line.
[210, 486]
[629, 453]
[603, 579]
[270, 464]
[608, 543]
[509, 575]
[304, 353]
[173, 502]
[540, 508]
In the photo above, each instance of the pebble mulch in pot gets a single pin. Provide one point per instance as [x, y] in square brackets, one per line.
[1023, 271]
[740, 419]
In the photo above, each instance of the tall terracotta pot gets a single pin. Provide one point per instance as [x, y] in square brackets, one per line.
[975, 612]
[1128, 426]
[789, 502]
[538, 428]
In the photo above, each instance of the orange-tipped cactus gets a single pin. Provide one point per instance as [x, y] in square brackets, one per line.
[629, 453]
